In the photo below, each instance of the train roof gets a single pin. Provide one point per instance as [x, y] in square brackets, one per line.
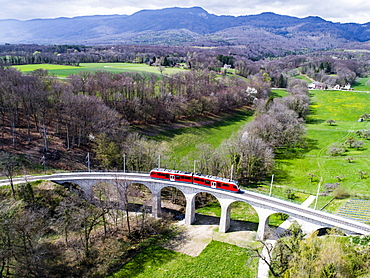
[214, 178]
[170, 171]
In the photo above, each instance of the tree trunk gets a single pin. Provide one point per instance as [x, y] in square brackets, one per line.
[67, 137]
[3, 131]
[28, 128]
[45, 138]
[12, 120]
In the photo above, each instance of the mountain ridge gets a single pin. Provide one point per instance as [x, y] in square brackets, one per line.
[203, 27]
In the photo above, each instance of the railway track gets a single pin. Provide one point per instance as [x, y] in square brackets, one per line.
[291, 208]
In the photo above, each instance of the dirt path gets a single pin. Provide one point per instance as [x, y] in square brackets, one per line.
[196, 237]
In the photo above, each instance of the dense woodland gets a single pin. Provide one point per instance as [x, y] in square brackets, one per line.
[44, 119]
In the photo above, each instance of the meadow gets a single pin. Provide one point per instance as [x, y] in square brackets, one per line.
[213, 131]
[345, 108]
[217, 260]
[64, 71]
[360, 84]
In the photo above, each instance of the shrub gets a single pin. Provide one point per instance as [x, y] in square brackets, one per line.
[341, 193]
[330, 122]
[290, 194]
[336, 149]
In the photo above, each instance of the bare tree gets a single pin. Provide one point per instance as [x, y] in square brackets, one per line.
[9, 163]
[279, 126]
[330, 122]
[257, 158]
[122, 201]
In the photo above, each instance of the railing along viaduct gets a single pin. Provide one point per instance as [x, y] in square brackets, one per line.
[308, 218]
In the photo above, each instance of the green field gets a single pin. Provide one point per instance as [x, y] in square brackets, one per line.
[218, 260]
[279, 92]
[64, 71]
[345, 108]
[360, 84]
[304, 78]
[184, 140]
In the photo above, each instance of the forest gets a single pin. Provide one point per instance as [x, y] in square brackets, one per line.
[56, 122]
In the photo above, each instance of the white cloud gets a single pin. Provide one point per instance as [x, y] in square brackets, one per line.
[333, 10]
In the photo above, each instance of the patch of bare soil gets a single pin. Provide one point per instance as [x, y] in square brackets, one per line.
[194, 238]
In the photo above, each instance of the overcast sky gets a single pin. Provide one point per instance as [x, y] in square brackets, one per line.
[344, 11]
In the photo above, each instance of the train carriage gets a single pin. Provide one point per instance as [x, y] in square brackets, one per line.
[216, 182]
[198, 179]
[171, 175]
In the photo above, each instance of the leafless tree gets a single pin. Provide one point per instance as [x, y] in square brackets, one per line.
[122, 199]
[257, 158]
[9, 163]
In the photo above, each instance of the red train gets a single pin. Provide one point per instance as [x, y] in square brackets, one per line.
[199, 179]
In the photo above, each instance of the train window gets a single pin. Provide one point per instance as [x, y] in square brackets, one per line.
[167, 176]
[218, 184]
[225, 185]
[207, 182]
[235, 187]
[200, 180]
[178, 177]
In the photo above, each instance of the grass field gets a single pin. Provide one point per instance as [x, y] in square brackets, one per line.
[345, 108]
[184, 140]
[64, 71]
[279, 92]
[360, 85]
[304, 78]
[218, 260]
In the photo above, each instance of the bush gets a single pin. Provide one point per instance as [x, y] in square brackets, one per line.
[341, 193]
[336, 149]
[290, 194]
[330, 122]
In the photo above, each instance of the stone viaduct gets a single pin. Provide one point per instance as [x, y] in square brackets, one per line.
[308, 218]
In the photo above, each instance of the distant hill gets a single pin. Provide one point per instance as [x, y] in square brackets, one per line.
[186, 26]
